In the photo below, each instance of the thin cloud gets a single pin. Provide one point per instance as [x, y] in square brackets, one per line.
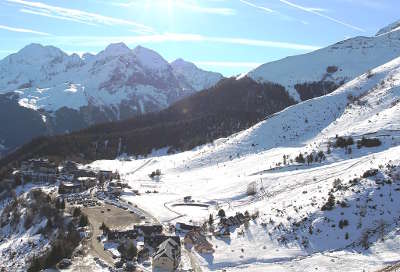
[75, 15]
[23, 30]
[178, 37]
[45, 14]
[271, 11]
[317, 12]
[257, 7]
[201, 9]
[182, 4]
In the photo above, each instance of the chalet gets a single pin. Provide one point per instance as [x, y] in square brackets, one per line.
[76, 186]
[168, 256]
[186, 227]
[242, 218]
[115, 188]
[156, 240]
[39, 165]
[187, 199]
[199, 241]
[149, 230]
[84, 173]
[69, 166]
[236, 220]
[107, 175]
[37, 171]
[122, 235]
[69, 188]
[227, 222]
[87, 182]
[36, 177]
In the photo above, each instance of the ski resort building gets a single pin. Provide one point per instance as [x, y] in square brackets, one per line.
[199, 241]
[168, 256]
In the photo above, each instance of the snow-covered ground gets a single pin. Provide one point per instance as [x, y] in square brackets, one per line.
[19, 243]
[292, 232]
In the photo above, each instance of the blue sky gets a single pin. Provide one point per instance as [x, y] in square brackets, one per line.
[229, 36]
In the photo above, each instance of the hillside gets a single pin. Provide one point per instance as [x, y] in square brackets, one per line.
[322, 71]
[336, 211]
[227, 108]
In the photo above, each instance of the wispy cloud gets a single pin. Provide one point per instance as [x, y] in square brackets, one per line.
[188, 5]
[96, 41]
[202, 9]
[23, 30]
[75, 15]
[272, 11]
[317, 11]
[257, 6]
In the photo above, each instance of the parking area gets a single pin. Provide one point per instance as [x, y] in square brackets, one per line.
[115, 218]
[84, 200]
[112, 216]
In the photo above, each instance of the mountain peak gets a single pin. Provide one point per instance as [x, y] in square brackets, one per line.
[182, 64]
[37, 50]
[116, 49]
[195, 77]
[150, 58]
[87, 56]
[390, 28]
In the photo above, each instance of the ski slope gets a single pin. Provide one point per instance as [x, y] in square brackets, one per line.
[292, 232]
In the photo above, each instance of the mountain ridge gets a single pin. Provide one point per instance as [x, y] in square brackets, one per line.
[115, 84]
[335, 64]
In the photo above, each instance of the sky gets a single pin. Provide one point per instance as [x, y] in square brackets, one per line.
[227, 36]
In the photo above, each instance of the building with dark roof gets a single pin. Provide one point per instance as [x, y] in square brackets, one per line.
[168, 256]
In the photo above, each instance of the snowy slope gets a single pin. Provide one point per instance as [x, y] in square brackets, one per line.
[292, 232]
[390, 28]
[351, 58]
[190, 75]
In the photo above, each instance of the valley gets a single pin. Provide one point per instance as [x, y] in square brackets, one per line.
[124, 161]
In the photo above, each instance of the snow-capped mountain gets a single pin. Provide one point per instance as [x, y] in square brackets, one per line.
[69, 92]
[192, 77]
[47, 78]
[324, 70]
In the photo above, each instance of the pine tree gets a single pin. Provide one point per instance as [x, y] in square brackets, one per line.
[300, 159]
[83, 221]
[35, 265]
[77, 212]
[131, 251]
[211, 220]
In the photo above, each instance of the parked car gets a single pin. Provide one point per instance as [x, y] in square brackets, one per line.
[64, 263]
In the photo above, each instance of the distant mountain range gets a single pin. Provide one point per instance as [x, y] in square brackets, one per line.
[47, 92]
[44, 91]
